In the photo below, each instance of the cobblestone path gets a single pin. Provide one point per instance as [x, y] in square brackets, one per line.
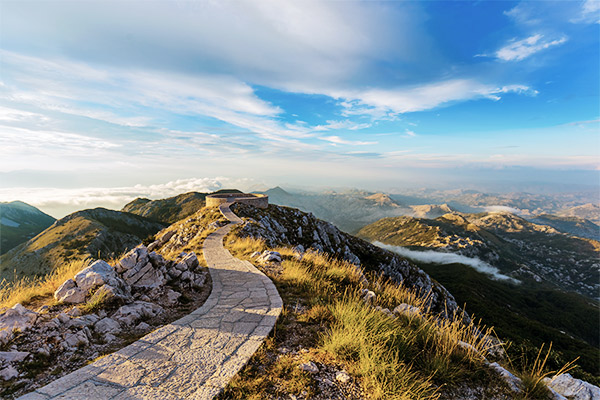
[195, 356]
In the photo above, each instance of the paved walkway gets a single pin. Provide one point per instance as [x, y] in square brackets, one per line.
[194, 357]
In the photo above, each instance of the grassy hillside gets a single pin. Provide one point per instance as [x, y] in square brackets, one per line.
[19, 222]
[171, 209]
[575, 226]
[529, 317]
[97, 233]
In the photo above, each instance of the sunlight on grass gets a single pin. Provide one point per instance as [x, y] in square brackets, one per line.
[27, 289]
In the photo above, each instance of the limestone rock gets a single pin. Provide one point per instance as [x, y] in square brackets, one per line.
[13, 356]
[408, 310]
[513, 382]
[15, 318]
[572, 388]
[342, 376]
[73, 340]
[9, 373]
[309, 367]
[191, 260]
[107, 325]
[131, 313]
[270, 256]
[97, 274]
[369, 297]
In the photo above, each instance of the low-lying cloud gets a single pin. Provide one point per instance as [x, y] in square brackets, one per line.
[436, 257]
[60, 202]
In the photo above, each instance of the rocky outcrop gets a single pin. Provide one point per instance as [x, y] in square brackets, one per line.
[573, 389]
[286, 226]
[127, 299]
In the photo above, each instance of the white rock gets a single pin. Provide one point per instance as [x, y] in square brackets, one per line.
[342, 376]
[72, 296]
[131, 313]
[64, 288]
[97, 274]
[13, 356]
[572, 388]
[270, 256]
[15, 318]
[9, 373]
[369, 297]
[309, 367]
[107, 325]
[513, 382]
[255, 254]
[408, 310]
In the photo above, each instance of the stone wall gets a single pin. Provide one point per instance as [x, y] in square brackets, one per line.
[256, 200]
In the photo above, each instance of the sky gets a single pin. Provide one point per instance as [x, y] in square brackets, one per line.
[104, 99]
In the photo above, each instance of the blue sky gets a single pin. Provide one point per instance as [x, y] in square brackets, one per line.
[339, 93]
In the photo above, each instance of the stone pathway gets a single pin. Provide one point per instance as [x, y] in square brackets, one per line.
[194, 357]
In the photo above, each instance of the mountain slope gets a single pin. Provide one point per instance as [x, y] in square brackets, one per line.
[574, 225]
[286, 226]
[171, 209]
[20, 222]
[89, 233]
[526, 251]
[349, 210]
[588, 211]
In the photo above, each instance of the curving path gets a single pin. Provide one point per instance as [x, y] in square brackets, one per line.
[195, 356]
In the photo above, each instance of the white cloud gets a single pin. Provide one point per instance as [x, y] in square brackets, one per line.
[517, 50]
[59, 202]
[346, 124]
[589, 13]
[339, 140]
[437, 257]
[428, 96]
[503, 209]
[410, 133]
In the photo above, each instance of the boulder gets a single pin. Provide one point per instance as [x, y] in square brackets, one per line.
[97, 274]
[131, 313]
[8, 373]
[513, 382]
[73, 340]
[191, 260]
[572, 388]
[270, 256]
[16, 318]
[72, 296]
[107, 325]
[13, 356]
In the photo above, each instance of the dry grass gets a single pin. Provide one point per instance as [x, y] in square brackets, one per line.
[393, 358]
[26, 290]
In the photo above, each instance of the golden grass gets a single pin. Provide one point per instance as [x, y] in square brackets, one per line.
[25, 290]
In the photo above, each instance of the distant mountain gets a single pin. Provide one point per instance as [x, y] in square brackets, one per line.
[526, 251]
[431, 210]
[574, 225]
[349, 210]
[20, 222]
[587, 211]
[89, 233]
[171, 209]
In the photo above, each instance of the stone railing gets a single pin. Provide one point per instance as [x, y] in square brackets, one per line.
[256, 200]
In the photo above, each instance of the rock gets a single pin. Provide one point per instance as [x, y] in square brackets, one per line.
[74, 312]
[156, 259]
[181, 266]
[109, 338]
[467, 346]
[13, 356]
[309, 367]
[270, 256]
[15, 318]
[174, 273]
[73, 296]
[97, 274]
[142, 326]
[407, 310]
[172, 296]
[187, 276]
[73, 340]
[255, 254]
[147, 277]
[572, 388]
[63, 318]
[9, 373]
[191, 260]
[342, 376]
[130, 313]
[513, 382]
[199, 280]
[107, 325]
[369, 297]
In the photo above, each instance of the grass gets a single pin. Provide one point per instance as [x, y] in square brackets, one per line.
[26, 290]
[409, 357]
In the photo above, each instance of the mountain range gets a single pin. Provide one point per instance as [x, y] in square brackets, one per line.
[20, 222]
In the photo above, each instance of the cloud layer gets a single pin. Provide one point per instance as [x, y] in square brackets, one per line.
[436, 257]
